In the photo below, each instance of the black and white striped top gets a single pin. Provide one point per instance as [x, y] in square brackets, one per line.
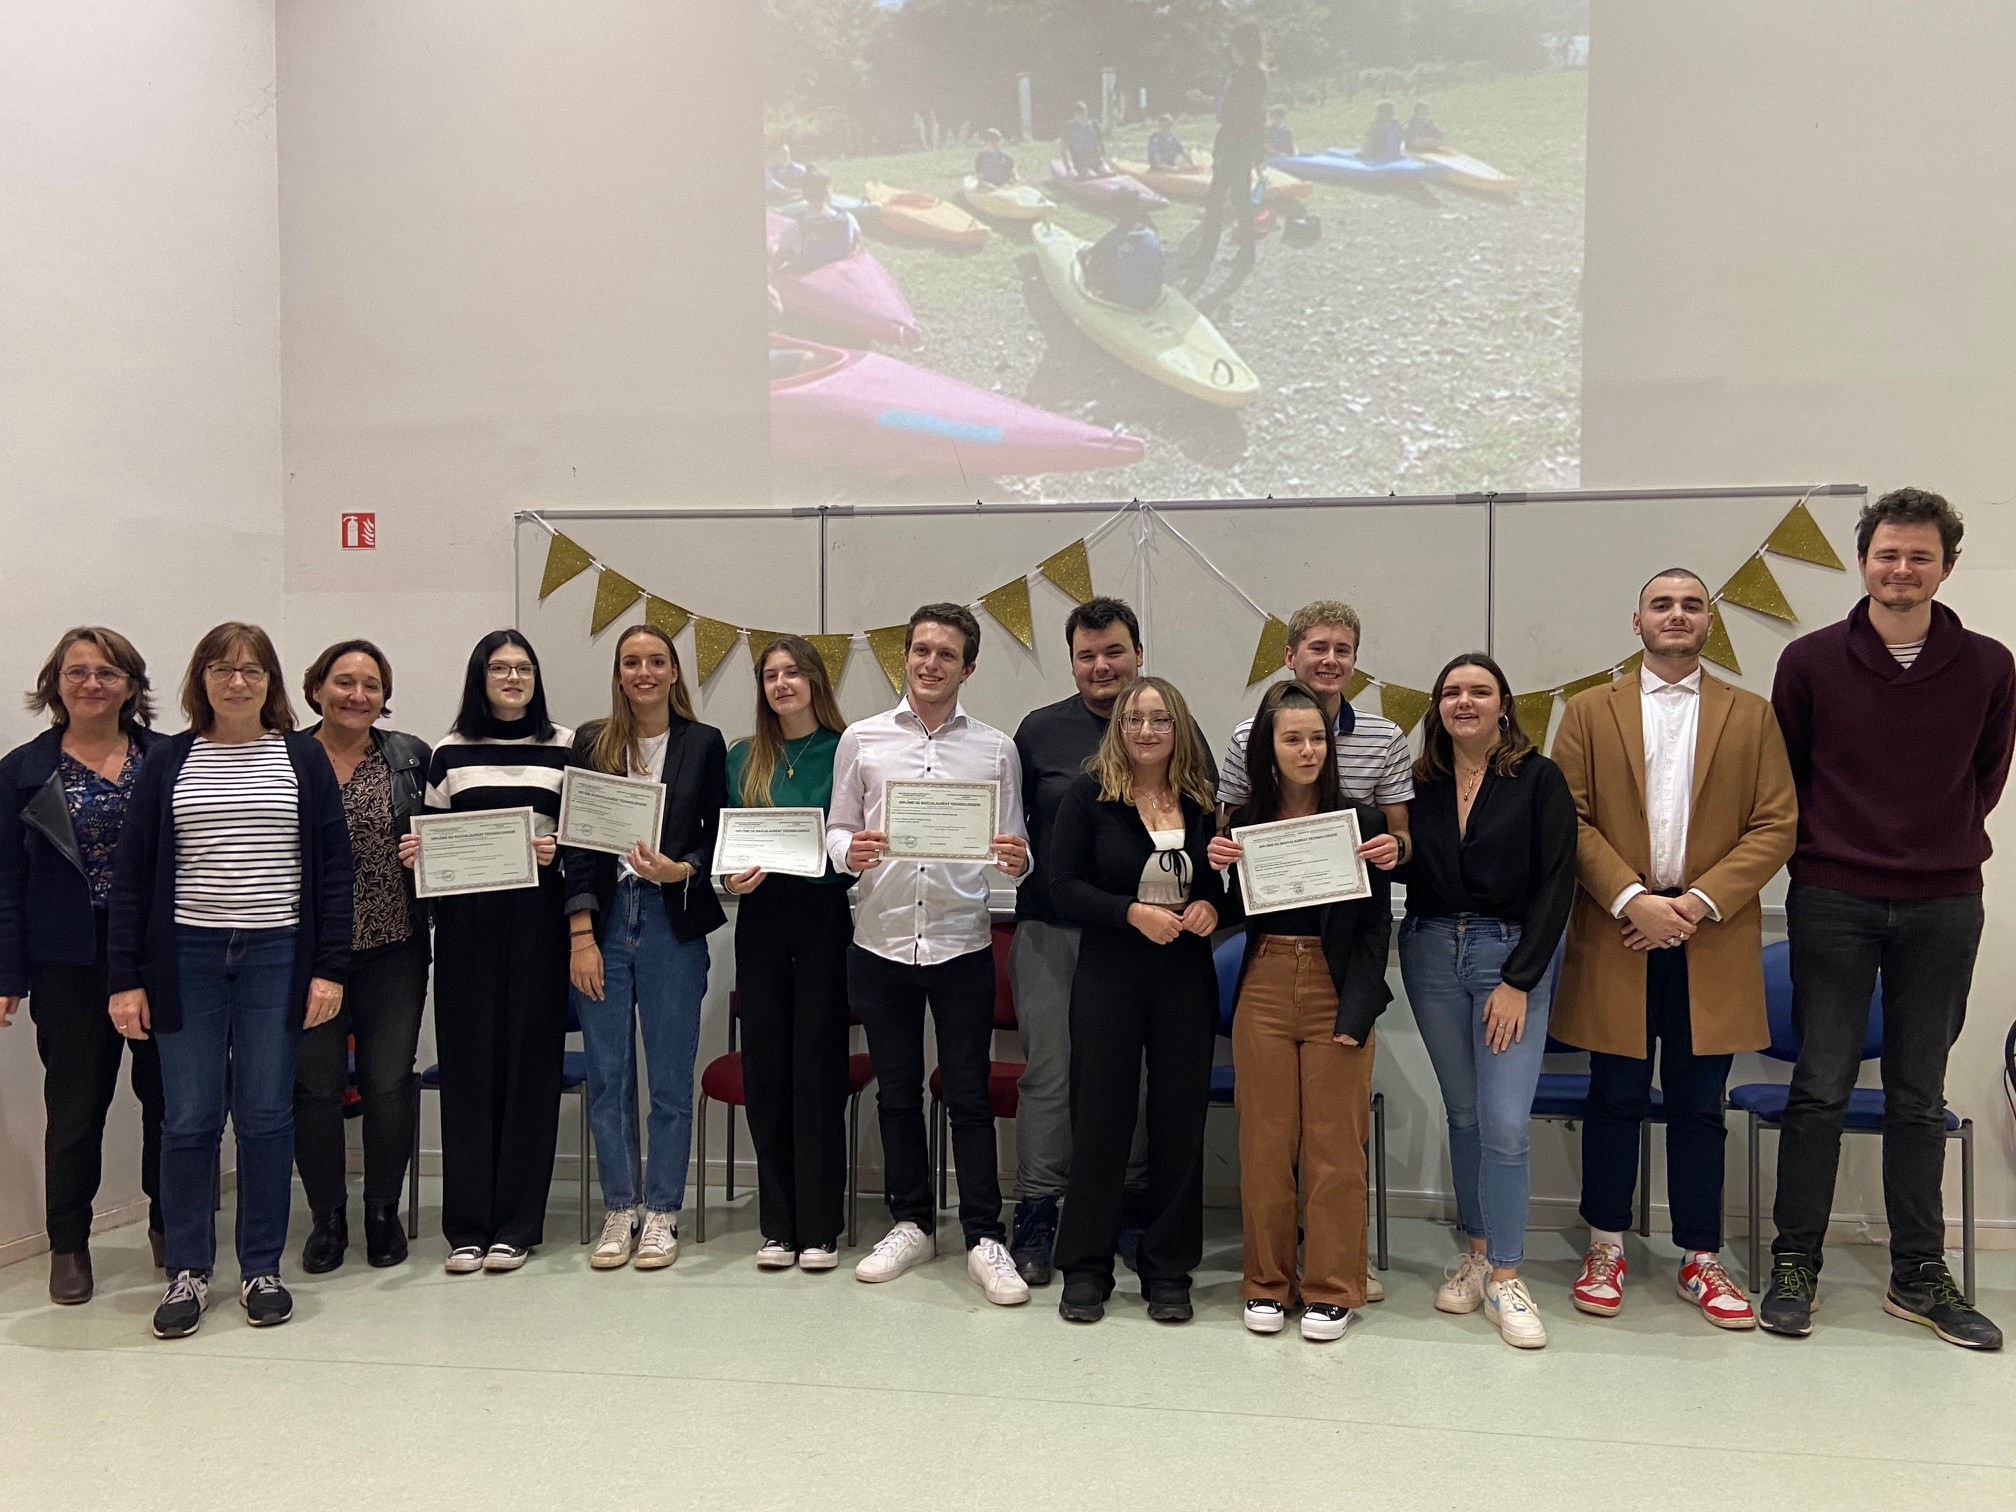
[468, 775]
[238, 836]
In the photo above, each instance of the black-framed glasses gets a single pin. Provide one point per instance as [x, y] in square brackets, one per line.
[512, 671]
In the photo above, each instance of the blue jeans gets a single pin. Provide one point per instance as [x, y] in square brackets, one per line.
[234, 1053]
[654, 982]
[1449, 967]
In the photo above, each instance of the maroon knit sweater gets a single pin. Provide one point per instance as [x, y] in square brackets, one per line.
[1897, 767]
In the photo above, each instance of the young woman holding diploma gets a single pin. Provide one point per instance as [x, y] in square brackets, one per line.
[637, 938]
[1312, 982]
[791, 937]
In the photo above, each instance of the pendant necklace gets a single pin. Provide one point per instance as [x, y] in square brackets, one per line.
[790, 761]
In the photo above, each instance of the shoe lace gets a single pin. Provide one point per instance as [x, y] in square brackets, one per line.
[1939, 1281]
[1513, 1296]
[260, 1286]
[659, 1228]
[1713, 1279]
[184, 1288]
[1468, 1268]
[616, 1226]
[893, 1242]
[1790, 1278]
[1602, 1263]
[996, 1258]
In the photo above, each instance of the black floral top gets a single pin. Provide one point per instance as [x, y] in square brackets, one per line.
[97, 811]
[381, 917]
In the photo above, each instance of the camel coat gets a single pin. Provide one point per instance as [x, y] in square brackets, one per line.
[1741, 828]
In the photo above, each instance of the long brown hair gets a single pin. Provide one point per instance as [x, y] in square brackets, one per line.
[766, 744]
[1508, 753]
[275, 714]
[46, 697]
[1263, 770]
[1189, 773]
[616, 748]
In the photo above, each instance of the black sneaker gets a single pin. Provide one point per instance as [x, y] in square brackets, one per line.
[1789, 1300]
[1035, 1239]
[1930, 1297]
[1324, 1321]
[1083, 1301]
[1169, 1301]
[384, 1236]
[326, 1242]
[181, 1311]
[266, 1302]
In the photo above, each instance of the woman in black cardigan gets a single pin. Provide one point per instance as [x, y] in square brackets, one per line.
[638, 928]
[1128, 865]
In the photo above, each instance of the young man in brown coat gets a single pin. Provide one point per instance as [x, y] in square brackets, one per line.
[1687, 809]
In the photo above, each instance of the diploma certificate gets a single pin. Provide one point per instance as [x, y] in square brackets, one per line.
[788, 841]
[934, 820]
[489, 850]
[603, 813]
[1296, 863]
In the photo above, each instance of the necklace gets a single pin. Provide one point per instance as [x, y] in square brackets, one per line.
[1467, 784]
[791, 761]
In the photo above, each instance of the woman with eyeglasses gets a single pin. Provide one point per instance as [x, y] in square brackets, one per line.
[500, 968]
[63, 800]
[638, 927]
[1130, 866]
[229, 935]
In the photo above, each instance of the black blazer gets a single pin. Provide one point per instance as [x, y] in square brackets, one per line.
[408, 757]
[1355, 937]
[696, 780]
[46, 917]
[140, 934]
[1099, 847]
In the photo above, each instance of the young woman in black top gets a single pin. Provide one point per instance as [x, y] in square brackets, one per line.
[1129, 865]
[1488, 890]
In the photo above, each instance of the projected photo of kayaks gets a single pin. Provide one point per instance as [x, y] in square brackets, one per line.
[1286, 247]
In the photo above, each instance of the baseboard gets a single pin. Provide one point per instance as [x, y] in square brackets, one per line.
[102, 1222]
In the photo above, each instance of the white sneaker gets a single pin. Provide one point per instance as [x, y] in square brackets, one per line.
[1322, 1322]
[1264, 1315]
[1509, 1305]
[818, 1257]
[902, 1247]
[619, 1237]
[993, 1270]
[465, 1261]
[775, 1256]
[658, 1245]
[1463, 1290]
[1375, 1290]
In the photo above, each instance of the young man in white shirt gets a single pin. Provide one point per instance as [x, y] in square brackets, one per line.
[922, 936]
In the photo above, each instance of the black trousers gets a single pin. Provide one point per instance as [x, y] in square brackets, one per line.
[890, 999]
[1923, 949]
[80, 1052]
[500, 1025]
[791, 937]
[1132, 998]
[1234, 161]
[1620, 1097]
[382, 1004]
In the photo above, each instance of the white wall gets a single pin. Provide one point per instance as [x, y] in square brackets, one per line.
[139, 380]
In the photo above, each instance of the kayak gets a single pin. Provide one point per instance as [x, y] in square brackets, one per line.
[908, 212]
[864, 411]
[1461, 171]
[853, 295]
[1170, 342]
[1194, 184]
[1340, 165]
[1012, 202]
[1102, 194]
[860, 209]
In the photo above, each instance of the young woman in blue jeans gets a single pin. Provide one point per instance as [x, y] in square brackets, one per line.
[637, 947]
[1488, 889]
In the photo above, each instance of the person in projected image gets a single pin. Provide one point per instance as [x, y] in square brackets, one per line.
[1385, 138]
[1084, 145]
[1422, 134]
[993, 164]
[783, 175]
[1236, 154]
[1125, 265]
[823, 234]
[1280, 140]
[1166, 152]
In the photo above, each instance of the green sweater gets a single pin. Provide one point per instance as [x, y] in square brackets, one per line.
[808, 783]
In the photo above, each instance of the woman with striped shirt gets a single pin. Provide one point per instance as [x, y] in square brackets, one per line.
[500, 969]
[228, 934]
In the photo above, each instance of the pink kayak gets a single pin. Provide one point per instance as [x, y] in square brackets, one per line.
[1101, 194]
[854, 295]
[863, 411]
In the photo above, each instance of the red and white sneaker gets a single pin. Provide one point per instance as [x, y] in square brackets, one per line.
[1600, 1287]
[1704, 1283]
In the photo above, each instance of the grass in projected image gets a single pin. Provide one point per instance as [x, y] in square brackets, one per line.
[1413, 326]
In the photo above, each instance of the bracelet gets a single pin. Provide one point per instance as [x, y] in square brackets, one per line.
[589, 946]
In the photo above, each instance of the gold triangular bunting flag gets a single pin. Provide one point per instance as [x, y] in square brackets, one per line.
[1071, 570]
[1010, 604]
[1536, 712]
[712, 640]
[1754, 588]
[1593, 680]
[758, 639]
[565, 561]
[887, 644]
[1799, 536]
[1719, 649]
[613, 594]
[663, 614]
[1358, 684]
[1404, 706]
[833, 652]
[1269, 656]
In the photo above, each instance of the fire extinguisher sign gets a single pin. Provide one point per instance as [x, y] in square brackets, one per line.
[360, 531]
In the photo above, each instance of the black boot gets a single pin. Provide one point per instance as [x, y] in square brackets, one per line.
[384, 1239]
[326, 1243]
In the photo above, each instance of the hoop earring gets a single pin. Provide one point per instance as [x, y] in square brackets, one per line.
[1504, 723]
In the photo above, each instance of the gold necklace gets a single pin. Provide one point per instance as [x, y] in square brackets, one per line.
[1467, 786]
[790, 761]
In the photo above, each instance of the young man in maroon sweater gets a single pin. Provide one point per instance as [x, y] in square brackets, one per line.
[1898, 723]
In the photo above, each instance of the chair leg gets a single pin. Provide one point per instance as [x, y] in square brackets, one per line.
[729, 1177]
[940, 1156]
[853, 1164]
[1379, 1173]
[413, 1174]
[1967, 1207]
[1756, 1215]
[700, 1176]
[1645, 1179]
[586, 1146]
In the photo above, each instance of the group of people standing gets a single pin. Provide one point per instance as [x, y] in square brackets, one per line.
[235, 905]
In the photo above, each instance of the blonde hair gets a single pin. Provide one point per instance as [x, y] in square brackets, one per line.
[1189, 771]
[767, 743]
[616, 748]
[1325, 612]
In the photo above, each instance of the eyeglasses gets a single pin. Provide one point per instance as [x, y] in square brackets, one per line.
[252, 675]
[109, 677]
[511, 671]
[1154, 724]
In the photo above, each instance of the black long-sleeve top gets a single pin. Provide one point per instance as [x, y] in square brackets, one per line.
[1098, 849]
[1515, 861]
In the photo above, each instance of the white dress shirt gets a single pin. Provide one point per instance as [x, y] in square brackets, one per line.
[1671, 714]
[920, 913]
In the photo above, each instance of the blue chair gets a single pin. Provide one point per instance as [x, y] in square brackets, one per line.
[1764, 1103]
[1229, 956]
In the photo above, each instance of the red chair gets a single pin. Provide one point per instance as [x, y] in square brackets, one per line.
[1003, 1077]
[721, 1082]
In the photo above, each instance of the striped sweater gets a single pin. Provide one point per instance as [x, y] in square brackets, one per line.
[469, 775]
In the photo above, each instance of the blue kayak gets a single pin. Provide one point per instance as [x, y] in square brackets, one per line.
[1341, 165]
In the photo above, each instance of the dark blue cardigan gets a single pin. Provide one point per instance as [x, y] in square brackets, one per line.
[141, 937]
[46, 915]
